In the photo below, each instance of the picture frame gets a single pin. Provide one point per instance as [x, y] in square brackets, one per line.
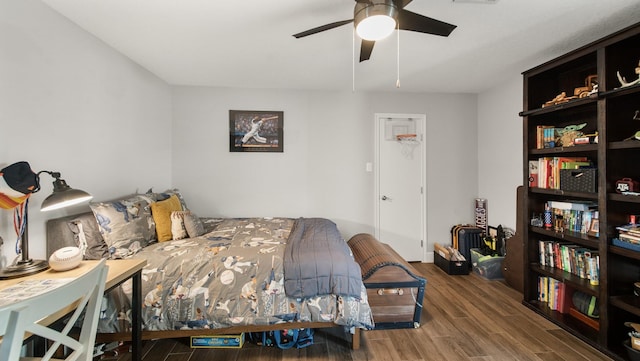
[256, 131]
[594, 228]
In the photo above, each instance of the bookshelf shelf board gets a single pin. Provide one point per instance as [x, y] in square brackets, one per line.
[620, 91]
[624, 252]
[568, 278]
[566, 322]
[558, 107]
[565, 150]
[629, 303]
[560, 192]
[624, 198]
[573, 237]
[625, 144]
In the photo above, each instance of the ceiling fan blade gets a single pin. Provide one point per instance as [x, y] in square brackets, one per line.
[322, 28]
[422, 24]
[400, 4]
[365, 49]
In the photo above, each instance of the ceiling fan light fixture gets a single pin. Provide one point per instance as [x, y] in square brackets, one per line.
[375, 21]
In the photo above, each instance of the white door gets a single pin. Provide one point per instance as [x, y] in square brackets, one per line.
[400, 189]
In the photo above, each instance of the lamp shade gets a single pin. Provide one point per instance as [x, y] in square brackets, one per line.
[375, 21]
[63, 196]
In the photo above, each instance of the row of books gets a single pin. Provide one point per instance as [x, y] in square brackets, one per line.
[545, 172]
[556, 294]
[572, 258]
[629, 233]
[545, 136]
[572, 216]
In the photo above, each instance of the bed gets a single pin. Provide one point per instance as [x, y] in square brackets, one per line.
[218, 276]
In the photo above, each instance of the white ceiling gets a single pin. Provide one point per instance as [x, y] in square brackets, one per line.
[249, 43]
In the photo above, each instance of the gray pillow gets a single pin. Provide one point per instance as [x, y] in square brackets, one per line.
[193, 225]
[88, 238]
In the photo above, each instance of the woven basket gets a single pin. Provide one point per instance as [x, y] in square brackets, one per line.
[579, 180]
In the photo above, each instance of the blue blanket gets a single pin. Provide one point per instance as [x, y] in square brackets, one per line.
[317, 261]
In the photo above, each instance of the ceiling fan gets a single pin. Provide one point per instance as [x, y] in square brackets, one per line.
[391, 12]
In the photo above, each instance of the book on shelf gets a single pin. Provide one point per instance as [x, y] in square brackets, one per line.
[549, 169]
[574, 205]
[545, 136]
[565, 298]
[555, 294]
[580, 261]
[572, 216]
[533, 173]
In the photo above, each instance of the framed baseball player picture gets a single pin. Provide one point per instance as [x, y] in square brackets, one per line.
[256, 131]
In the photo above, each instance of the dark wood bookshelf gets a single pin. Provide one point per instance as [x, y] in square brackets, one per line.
[609, 113]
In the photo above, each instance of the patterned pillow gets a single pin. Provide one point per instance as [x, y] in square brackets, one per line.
[177, 225]
[126, 225]
[193, 225]
[161, 212]
[156, 197]
[87, 237]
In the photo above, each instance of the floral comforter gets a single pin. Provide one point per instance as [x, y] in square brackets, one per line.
[230, 276]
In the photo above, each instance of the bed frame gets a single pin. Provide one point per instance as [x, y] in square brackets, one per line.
[59, 235]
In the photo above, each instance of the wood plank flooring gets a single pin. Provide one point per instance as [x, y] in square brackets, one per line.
[465, 318]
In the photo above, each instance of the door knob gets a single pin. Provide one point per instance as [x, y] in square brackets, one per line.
[384, 198]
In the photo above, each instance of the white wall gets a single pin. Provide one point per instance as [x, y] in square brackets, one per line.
[500, 150]
[70, 103]
[328, 138]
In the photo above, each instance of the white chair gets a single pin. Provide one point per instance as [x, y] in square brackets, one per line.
[19, 320]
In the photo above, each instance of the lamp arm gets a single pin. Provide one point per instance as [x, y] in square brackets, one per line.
[55, 175]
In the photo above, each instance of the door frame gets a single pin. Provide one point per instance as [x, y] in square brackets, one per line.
[422, 149]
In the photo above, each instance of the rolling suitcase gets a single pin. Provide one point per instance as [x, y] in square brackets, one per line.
[464, 237]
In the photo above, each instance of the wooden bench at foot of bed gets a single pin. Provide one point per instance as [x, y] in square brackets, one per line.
[151, 335]
[395, 289]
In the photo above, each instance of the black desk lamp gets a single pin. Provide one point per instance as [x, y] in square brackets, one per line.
[62, 196]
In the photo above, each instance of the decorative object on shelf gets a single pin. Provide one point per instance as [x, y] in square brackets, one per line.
[559, 99]
[624, 83]
[548, 220]
[579, 180]
[19, 178]
[634, 355]
[586, 139]
[627, 185]
[635, 136]
[586, 304]
[590, 88]
[568, 134]
[590, 83]
[537, 221]
[636, 289]
[256, 131]
[594, 229]
[634, 335]
[567, 139]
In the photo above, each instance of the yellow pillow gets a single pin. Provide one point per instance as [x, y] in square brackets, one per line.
[161, 212]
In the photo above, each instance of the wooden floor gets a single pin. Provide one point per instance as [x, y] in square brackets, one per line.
[464, 318]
